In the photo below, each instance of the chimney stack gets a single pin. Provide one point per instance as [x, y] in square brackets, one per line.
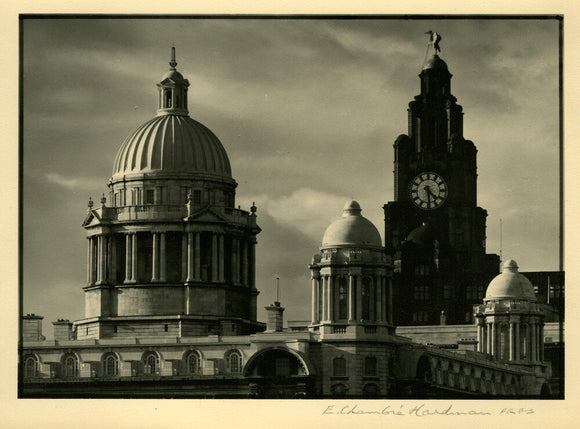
[63, 330]
[275, 319]
[32, 328]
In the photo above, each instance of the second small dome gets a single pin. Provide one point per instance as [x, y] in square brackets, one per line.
[352, 229]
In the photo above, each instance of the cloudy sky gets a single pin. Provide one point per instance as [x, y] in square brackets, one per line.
[307, 110]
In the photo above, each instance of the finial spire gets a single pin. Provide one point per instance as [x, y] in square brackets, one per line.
[172, 63]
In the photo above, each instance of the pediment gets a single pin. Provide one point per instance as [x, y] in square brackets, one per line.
[92, 219]
[206, 214]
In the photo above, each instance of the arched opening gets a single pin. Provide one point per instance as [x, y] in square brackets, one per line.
[234, 361]
[424, 373]
[424, 377]
[371, 390]
[70, 365]
[279, 372]
[193, 362]
[338, 390]
[275, 362]
[111, 365]
[31, 366]
[150, 363]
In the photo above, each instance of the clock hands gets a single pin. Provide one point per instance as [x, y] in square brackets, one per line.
[428, 190]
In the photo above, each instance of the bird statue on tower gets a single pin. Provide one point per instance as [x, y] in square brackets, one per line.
[434, 39]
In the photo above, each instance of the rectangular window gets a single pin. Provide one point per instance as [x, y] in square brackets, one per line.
[339, 367]
[282, 366]
[149, 196]
[421, 292]
[197, 196]
[370, 366]
[446, 291]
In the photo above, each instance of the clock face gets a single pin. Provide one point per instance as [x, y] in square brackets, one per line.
[428, 191]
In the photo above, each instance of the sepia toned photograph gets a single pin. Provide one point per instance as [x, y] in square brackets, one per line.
[291, 207]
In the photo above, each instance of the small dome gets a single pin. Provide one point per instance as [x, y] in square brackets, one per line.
[435, 63]
[172, 143]
[174, 75]
[352, 229]
[421, 235]
[510, 284]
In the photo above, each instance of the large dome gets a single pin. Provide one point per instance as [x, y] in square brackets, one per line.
[352, 229]
[510, 284]
[172, 143]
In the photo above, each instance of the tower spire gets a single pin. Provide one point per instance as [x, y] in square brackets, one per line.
[173, 63]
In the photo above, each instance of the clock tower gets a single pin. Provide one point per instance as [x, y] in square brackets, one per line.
[434, 230]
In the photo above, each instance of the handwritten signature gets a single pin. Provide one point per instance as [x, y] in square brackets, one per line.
[421, 411]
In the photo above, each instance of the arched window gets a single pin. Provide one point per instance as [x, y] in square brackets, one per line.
[339, 367]
[151, 363]
[371, 390]
[234, 361]
[31, 366]
[193, 362]
[71, 365]
[111, 364]
[338, 390]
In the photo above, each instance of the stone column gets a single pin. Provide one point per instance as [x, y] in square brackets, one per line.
[245, 262]
[517, 341]
[221, 267]
[112, 272]
[99, 259]
[331, 298]
[493, 351]
[134, 256]
[315, 316]
[128, 257]
[105, 259]
[489, 336]
[197, 265]
[541, 343]
[155, 263]
[89, 260]
[234, 261]
[390, 307]
[185, 257]
[324, 296]
[512, 347]
[359, 287]
[534, 346]
[379, 298]
[162, 260]
[351, 298]
[479, 335]
[252, 267]
[190, 257]
[214, 256]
